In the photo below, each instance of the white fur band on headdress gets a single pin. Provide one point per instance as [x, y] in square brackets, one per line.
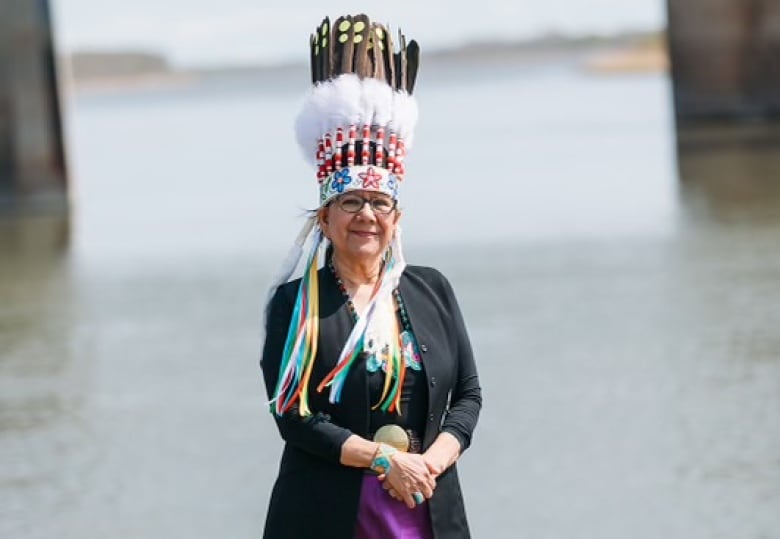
[348, 100]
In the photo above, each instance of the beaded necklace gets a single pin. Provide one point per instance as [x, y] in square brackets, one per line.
[393, 360]
[409, 349]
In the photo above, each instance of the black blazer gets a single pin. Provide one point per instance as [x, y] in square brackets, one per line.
[314, 495]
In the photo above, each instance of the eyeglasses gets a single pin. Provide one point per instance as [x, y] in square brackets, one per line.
[355, 203]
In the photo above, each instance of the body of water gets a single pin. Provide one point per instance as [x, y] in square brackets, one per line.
[621, 298]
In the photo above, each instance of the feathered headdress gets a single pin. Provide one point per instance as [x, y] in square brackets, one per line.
[359, 117]
[356, 126]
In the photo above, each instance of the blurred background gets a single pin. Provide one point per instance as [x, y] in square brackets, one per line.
[600, 181]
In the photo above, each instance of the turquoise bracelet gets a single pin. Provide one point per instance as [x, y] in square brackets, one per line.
[381, 463]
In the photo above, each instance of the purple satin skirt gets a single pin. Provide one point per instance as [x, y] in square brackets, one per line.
[382, 517]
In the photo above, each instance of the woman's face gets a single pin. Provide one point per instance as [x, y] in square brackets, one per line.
[364, 235]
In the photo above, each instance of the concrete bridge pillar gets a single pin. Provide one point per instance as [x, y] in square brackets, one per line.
[725, 57]
[32, 159]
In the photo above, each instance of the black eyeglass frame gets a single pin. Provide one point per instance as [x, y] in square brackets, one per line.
[370, 201]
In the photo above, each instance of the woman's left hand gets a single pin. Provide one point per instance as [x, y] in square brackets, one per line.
[442, 454]
[408, 475]
[391, 491]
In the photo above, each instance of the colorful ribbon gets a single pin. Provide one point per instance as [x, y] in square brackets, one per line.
[300, 349]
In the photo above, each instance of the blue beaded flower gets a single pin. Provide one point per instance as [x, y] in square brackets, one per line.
[340, 180]
[392, 184]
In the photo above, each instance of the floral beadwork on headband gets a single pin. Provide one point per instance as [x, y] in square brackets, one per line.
[365, 177]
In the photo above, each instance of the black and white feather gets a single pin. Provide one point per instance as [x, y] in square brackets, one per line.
[358, 80]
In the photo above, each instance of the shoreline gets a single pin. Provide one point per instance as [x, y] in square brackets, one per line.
[620, 54]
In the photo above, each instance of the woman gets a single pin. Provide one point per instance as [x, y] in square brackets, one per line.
[366, 360]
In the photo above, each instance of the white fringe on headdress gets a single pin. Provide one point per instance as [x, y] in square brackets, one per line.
[291, 261]
[348, 100]
[371, 321]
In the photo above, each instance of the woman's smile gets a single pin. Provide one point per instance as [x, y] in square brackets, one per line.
[365, 233]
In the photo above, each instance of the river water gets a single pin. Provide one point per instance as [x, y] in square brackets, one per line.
[620, 289]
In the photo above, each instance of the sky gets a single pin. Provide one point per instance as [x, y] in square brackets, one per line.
[207, 32]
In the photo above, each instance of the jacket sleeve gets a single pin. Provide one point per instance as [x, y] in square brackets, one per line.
[466, 397]
[314, 434]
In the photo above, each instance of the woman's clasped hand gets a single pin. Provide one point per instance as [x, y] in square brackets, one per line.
[409, 473]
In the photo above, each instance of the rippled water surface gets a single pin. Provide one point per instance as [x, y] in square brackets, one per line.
[621, 296]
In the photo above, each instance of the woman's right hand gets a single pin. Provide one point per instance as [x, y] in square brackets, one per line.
[408, 474]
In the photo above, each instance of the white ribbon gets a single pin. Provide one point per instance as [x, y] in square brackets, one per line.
[390, 281]
[290, 262]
